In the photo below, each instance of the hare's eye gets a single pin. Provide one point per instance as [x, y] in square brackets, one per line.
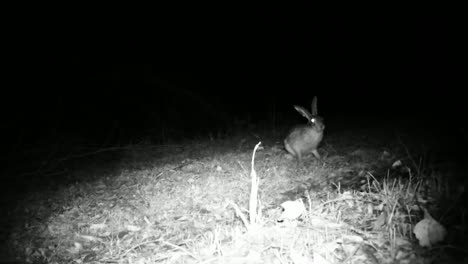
[312, 120]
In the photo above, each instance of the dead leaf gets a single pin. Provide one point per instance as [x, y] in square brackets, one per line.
[330, 246]
[370, 209]
[91, 256]
[318, 259]
[350, 249]
[323, 223]
[353, 239]
[298, 258]
[122, 233]
[428, 231]
[396, 164]
[385, 155]
[77, 247]
[95, 227]
[90, 238]
[380, 221]
[292, 210]
[346, 195]
[133, 228]
[402, 242]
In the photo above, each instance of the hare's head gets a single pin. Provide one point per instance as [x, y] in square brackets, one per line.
[305, 138]
[313, 118]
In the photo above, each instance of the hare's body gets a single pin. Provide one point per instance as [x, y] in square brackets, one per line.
[304, 139]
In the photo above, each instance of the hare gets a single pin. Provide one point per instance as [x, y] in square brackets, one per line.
[304, 139]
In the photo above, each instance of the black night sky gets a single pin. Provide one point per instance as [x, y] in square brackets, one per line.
[113, 84]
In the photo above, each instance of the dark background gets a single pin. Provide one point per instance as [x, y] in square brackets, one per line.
[124, 79]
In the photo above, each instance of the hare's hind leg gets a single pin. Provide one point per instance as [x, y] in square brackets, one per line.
[317, 155]
[291, 150]
[299, 158]
[296, 154]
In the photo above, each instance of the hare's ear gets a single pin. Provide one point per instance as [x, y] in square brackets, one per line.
[314, 106]
[303, 112]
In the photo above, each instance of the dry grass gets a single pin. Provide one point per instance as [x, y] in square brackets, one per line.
[177, 204]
